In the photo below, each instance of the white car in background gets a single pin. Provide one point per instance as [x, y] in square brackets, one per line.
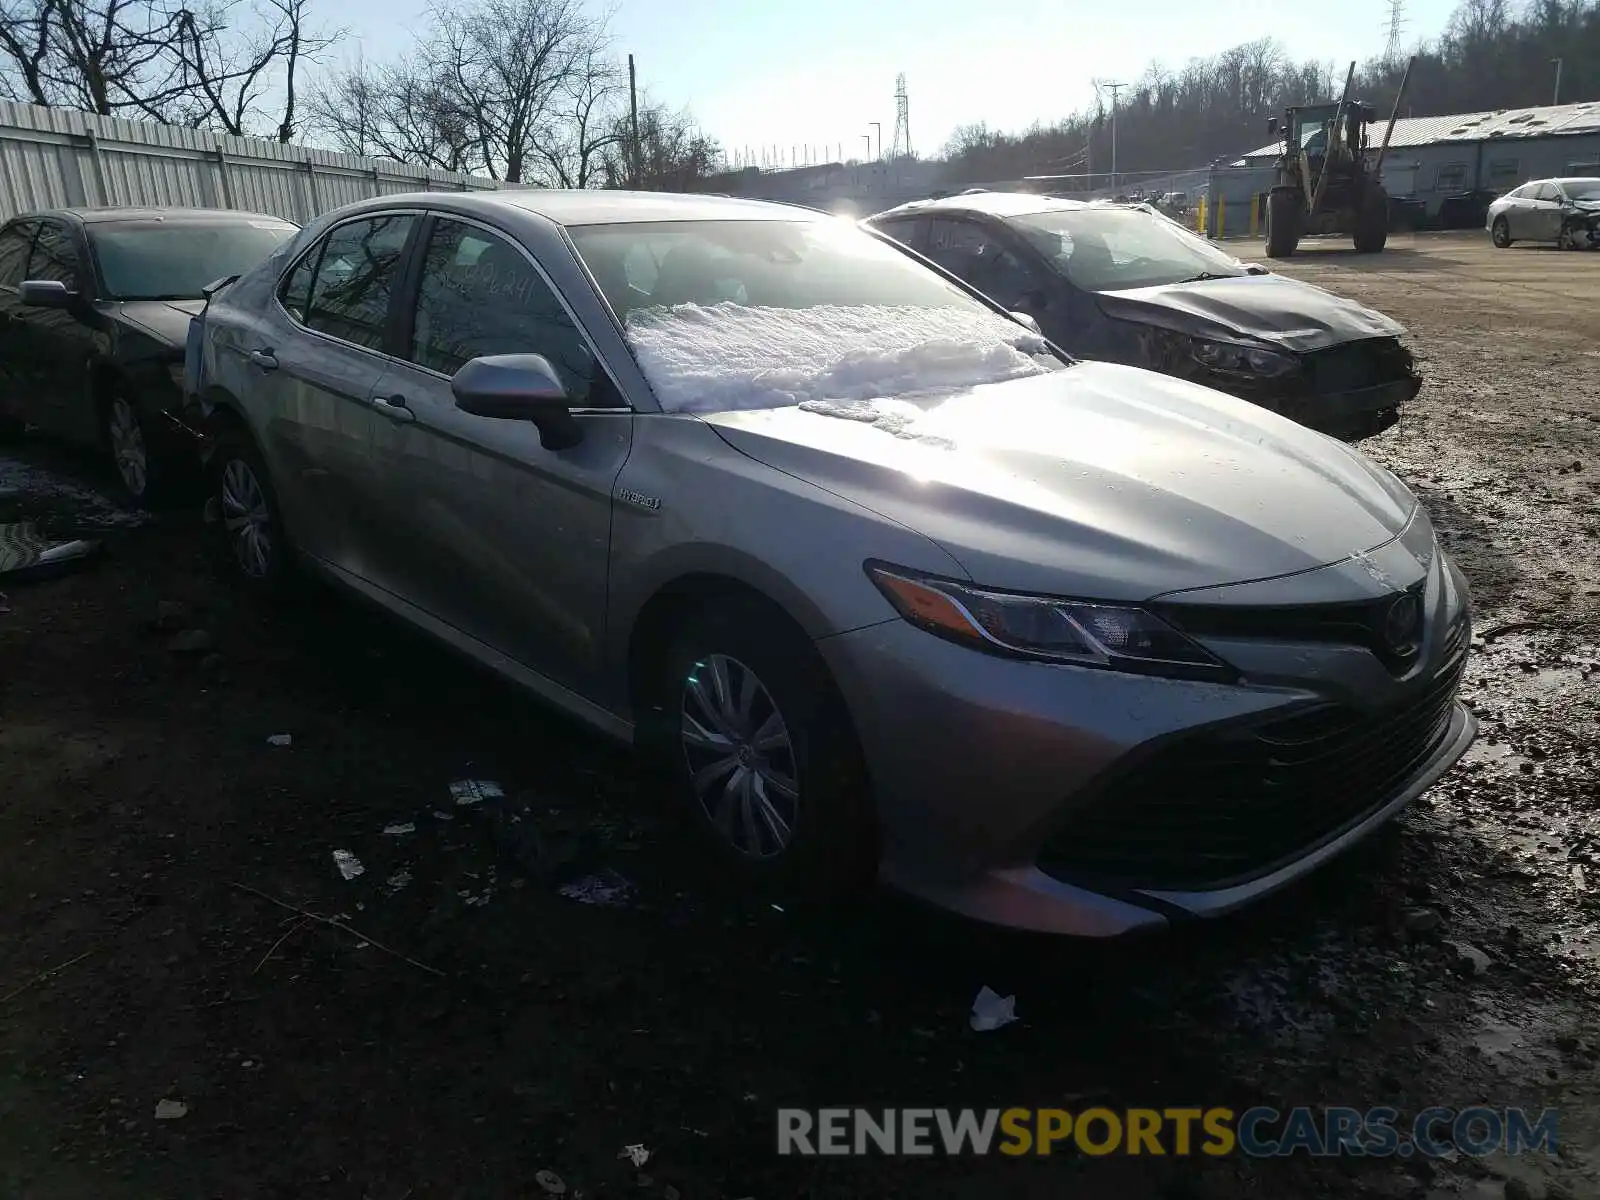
[1563, 211]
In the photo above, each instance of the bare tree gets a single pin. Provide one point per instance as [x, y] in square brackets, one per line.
[671, 155]
[216, 66]
[401, 111]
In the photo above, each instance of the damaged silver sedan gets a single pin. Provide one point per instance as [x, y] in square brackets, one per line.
[1563, 211]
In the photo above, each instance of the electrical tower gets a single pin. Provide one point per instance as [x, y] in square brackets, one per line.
[902, 120]
[1397, 24]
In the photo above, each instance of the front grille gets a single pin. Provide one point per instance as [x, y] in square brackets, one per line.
[1370, 362]
[1357, 623]
[1226, 806]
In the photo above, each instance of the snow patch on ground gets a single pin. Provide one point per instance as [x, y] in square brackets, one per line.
[728, 356]
[85, 505]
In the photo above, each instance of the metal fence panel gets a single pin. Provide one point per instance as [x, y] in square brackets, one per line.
[53, 158]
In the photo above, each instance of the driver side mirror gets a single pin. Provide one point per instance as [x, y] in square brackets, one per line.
[1272, 124]
[519, 387]
[46, 293]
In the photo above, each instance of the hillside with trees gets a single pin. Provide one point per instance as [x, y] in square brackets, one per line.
[1491, 55]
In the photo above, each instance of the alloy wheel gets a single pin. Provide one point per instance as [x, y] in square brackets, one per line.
[247, 518]
[740, 756]
[128, 448]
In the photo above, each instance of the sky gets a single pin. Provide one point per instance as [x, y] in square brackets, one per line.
[797, 73]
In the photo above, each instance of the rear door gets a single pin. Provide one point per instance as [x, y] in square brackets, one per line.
[16, 242]
[484, 528]
[314, 364]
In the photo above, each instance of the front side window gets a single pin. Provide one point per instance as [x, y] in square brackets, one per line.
[1548, 193]
[480, 295]
[737, 314]
[175, 260]
[356, 275]
[16, 240]
[1110, 249]
[54, 255]
[908, 231]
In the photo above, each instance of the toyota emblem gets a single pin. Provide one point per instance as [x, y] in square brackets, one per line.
[1402, 624]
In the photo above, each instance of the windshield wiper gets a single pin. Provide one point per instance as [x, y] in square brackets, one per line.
[165, 296]
[1205, 275]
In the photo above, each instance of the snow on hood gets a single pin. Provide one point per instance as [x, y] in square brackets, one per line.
[730, 357]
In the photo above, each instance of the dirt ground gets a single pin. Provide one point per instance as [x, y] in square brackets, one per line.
[468, 1025]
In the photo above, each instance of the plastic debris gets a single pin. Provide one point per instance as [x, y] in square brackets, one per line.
[399, 828]
[349, 865]
[475, 791]
[551, 1183]
[636, 1154]
[171, 1110]
[397, 881]
[440, 815]
[281, 739]
[26, 553]
[607, 889]
[990, 1010]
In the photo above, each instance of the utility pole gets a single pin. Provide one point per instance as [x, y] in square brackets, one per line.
[1556, 99]
[878, 125]
[1115, 89]
[633, 125]
[867, 138]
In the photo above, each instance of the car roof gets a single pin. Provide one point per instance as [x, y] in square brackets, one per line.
[593, 207]
[131, 215]
[993, 204]
[1563, 180]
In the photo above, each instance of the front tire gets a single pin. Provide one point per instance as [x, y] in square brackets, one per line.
[128, 443]
[764, 756]
[251, 544]
[1500, 233]
[1283, 223]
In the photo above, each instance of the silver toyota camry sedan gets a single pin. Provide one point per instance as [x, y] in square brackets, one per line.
[892, 586]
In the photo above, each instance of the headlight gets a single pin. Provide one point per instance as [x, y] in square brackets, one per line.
[1242, 360]
[1112, 637]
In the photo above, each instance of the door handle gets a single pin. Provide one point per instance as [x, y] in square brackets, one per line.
[394, 407]
[264, 359]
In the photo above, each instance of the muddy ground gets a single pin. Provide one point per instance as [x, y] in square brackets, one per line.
[473, 1025]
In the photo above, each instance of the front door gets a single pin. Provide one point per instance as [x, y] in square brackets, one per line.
[482, 527]
[16, 241]
[61, 343]
[318, 360]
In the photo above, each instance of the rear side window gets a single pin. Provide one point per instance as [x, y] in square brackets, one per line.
[15, 241]
[54, 255]
[356, 272]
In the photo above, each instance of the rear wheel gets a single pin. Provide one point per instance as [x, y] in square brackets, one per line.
[249, 527]
[1372, 223]
[1500, 232]
[764, 756]
[1283, 223]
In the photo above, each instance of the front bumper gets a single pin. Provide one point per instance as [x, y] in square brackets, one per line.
[1003, 785]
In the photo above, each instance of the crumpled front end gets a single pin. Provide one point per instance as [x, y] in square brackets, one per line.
[1350, 390]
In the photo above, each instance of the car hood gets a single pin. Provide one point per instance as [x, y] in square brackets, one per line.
[166, 320]
[1099, 480]
[1265, 308]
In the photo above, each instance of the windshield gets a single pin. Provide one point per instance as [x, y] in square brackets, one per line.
[171, 260]
[1581, 189]
[728, 315]
[1109, 249]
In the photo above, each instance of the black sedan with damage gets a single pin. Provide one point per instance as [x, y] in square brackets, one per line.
[1126, 284]
[94, 312]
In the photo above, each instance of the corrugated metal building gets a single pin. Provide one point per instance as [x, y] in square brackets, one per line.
[1431, 158]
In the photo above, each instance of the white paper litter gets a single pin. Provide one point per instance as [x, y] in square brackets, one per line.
[281, 739]
[636, 1154]
[990, 1010]
[607, 889]
[171, 1110]
[349, 865]
[731, 356]
[397, 881]
[475, 791]
[400, 828]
